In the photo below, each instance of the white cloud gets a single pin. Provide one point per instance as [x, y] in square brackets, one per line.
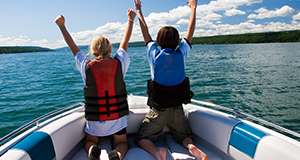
[212, 16]
[42, 43]
[178, 16]
[208, 22]
[204, 24]
[204, 12]
[233, 12]
[222, 5]
[296, 17]
[264, 13]
[181, 14]
[15, 41]
[112, 30]
[23, 41]
[183, 21]
[245, 27]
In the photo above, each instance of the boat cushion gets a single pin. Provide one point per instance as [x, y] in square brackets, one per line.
[105, 145]
[15, 154]
[245, 138]
[212, 126]
[272, 147]
[66, 133]
[135, 152]
[38, 145]
[180, 152]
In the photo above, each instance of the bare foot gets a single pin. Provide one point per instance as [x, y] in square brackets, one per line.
[161, 154]
[199, 155]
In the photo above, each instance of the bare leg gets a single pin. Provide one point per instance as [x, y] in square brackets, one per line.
[197, 153]
[121, 145]
[147, 145]
[89, 142]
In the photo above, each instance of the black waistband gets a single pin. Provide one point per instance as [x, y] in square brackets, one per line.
[105, 105]
[106, 97]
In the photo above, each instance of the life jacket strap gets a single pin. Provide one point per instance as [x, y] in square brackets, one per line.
[108, 112]
[107, 104]
[109, 97]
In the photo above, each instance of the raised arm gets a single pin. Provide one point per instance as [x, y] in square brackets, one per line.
[60, 21]
[191, 28]
[143, 25]
[124, 43]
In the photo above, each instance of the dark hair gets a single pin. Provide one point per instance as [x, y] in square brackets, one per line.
[168, 37]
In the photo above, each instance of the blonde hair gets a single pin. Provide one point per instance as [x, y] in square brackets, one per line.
[100, 46]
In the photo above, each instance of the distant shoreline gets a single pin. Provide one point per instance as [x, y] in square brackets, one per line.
[265, 37]
[22, 49]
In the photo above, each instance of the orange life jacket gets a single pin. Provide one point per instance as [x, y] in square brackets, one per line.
[105, 91]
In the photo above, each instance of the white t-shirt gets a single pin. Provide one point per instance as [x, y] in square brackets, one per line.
[104, 128]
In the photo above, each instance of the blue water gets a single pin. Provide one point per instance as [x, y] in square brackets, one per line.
[260, 79]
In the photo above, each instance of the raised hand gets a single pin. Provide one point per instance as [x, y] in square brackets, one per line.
[192, 4]
[60, 20]
[131, 14]
[138, 5]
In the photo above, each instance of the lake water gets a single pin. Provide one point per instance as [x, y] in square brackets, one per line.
[260, 79]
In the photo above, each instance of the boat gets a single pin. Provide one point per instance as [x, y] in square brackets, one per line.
[220, 132]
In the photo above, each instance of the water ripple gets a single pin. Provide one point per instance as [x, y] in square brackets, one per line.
[259, 79]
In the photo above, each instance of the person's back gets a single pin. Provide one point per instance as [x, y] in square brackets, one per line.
[105, 91]
[167, 65]
[168, 82]
[165, 72]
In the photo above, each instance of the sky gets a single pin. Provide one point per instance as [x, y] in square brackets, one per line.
[31, 22]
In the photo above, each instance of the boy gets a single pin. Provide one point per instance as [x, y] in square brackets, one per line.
[168, 87]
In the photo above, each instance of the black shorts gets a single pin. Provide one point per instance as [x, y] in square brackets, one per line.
[121, 132]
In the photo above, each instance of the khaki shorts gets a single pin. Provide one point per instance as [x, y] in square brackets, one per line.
[155, 121]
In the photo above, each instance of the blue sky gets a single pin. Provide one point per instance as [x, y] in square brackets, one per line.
[31, 22]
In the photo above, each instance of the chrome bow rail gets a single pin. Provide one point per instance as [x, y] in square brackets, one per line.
[38, 126]
[237, 113]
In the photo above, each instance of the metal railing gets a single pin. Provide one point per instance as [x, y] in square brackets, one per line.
[237, 113]
[36, 121]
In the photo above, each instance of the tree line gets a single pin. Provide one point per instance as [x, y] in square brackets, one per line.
[266, 37]
[22, 49]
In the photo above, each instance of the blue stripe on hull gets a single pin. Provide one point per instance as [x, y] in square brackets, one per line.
[245, 138]
[38, 145]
